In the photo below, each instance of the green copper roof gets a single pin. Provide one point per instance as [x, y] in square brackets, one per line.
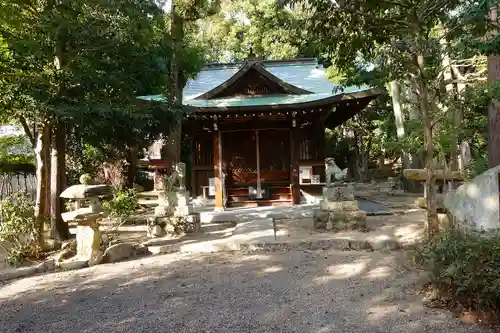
[249, 101]
[304, 74]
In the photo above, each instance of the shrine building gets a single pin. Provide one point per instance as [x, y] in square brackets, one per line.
[258, 128]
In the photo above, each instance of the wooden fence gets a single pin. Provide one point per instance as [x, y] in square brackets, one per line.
[11, 183]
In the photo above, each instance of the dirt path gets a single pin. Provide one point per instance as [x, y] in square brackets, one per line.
[299, 291]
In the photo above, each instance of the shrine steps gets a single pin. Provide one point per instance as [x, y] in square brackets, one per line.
[279, 195]
[258, 203]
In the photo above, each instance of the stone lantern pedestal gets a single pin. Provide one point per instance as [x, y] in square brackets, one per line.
[339, 209]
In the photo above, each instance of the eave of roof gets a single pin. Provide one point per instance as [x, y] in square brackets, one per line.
[273, 102]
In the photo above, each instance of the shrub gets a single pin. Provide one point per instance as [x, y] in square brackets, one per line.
[466, 267]
[18, 228]
[123, 204]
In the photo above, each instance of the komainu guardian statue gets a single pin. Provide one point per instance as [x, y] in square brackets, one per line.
[332, 170]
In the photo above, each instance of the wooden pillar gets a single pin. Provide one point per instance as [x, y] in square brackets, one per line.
[294, 165]
[219, 200]
[321, 142]
[194, 154]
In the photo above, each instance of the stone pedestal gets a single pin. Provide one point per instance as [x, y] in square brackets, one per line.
[156, 227]
[88, 239]
[180, 225]
[182, 205]
[184, 220]
[164, 207]
[339, 210]
[174, 216]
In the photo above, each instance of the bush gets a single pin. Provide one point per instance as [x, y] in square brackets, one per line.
[466, 267]
[123, 204]
[18, 228]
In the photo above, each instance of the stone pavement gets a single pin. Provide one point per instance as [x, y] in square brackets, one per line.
[290, 231]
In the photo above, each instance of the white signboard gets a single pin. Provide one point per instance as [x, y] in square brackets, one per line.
[304, 173]
[211, 186]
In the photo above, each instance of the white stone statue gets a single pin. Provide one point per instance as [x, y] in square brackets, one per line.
[177, 178]
[181, 175]
[331, 169]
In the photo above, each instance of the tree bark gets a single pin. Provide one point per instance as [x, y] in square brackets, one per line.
[46, 175]
[432, 222]
[493, 113]
[58, 228]
[27, 131]
[42, 142]
[494, 108]
[398, 116]
[448, 77]
[176, 85]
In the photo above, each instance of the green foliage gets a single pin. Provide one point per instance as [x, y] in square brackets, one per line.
[123, 204]
[18, 228]
[85, 62]
[16, 155]
[465, 267]
[359, 142]
[270, 31]
[84, 158]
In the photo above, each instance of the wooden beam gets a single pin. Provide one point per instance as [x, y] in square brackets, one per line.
[421, 174]
[219, 200]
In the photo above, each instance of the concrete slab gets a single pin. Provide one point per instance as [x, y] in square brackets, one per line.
[373, 207]
[256, 231]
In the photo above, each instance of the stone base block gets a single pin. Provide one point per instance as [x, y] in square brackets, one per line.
[338, 205]
[155, 231]
[180, 225]
[183, 210]
[182, 198]
[357, 215]
[88, 241]
[163, 210]
[339, 193]
[340, 220]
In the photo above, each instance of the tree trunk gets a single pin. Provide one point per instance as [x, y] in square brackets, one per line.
[494, 108]
[398, 116]
[176, 86]
[58, 228]
[432, 223]
[448, 77]
[493, 114]
[415, 160]
[41, 147]
[131, 167]
[47, 173]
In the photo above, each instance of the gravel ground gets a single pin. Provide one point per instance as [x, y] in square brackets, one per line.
[298, 291]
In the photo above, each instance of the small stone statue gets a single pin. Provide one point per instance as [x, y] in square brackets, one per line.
[331, 169]
[177, 177]
[181, 175]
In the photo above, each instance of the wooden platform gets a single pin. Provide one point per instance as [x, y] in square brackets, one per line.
[279, 195]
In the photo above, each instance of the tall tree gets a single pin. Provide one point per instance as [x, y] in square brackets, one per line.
[69, 61]
[270, 31]
[400, 36]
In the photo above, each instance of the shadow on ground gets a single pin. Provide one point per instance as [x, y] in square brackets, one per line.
[298, 291]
